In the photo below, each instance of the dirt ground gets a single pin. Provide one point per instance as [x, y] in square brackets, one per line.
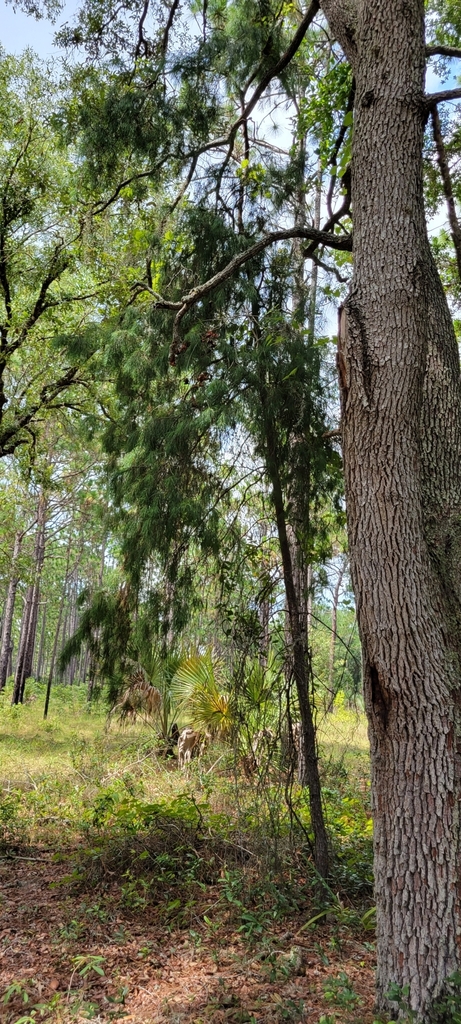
[68, 955]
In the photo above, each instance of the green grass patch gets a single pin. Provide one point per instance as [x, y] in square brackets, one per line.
[165, 835]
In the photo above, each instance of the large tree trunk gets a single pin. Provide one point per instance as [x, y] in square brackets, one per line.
[401, 404]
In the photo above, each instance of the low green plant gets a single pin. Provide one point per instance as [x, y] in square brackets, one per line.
[445, 1010]
[338, 990]
[135, 892]
[16, 988]
[85, 963]
[13, 827]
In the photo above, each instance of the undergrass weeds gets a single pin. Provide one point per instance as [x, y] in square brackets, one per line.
[168, 836]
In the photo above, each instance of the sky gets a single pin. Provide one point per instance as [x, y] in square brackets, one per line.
[18, 30]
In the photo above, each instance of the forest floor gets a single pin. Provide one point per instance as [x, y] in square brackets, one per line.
[98, 923]
[59, 961]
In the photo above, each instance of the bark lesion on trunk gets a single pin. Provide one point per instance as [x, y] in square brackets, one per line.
[379, 699]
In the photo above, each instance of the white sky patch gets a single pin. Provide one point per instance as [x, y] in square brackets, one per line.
[19, 31]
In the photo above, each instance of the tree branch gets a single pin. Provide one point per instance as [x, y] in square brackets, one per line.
[168, 26]
[439, 50]
[5, 285]
[10, 438]
[342, 16]
[281, 64]
[141, 40]
[342, 243]
[226, 141]
[335, 217]
[431, 101]
[447, 186]
[56, 269]
[336, 148]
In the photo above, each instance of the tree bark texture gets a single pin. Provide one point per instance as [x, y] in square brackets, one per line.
[401, 401]
[8, 611]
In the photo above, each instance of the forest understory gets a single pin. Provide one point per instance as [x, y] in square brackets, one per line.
[130, 890]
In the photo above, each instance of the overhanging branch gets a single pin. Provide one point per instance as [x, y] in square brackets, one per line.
[431, 101]
[439, 50]
[447, 186]
[342, 243]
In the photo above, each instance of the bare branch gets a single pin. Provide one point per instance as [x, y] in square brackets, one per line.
[439, 50]
[168, 26]
[142, 44]
[336, 148]
[431, 101]
[447, 186]
[335, 217]
[10, 438]
[281, 64]
[329, 269]
[185, 186]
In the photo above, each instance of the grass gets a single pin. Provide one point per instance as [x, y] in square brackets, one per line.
[74, 770]
[206, 853]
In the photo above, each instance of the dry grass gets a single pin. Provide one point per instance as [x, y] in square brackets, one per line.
[75, 738]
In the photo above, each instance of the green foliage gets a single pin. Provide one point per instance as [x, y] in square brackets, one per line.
[105, 628]
[446, 1009]
[338, 991]
[48, 283]
[13, 826]
[197, 689]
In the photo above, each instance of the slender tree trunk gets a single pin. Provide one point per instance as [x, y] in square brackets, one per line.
[19, 677]
[41, 651]
[64, 629]
[334, 626]
[264, 601]
[304, 301]
[300, 655]
[29, 623]
[54, 651]
[86, 662]
[58, 629]
[447, 187]
[401, 422]
[8, 612]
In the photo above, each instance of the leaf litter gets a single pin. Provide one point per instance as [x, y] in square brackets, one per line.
[72, 955]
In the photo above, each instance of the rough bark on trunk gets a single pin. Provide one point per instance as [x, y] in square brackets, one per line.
[8, 612]
[401, 401]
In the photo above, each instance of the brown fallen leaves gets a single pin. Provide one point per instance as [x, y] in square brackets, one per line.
[73, 956]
